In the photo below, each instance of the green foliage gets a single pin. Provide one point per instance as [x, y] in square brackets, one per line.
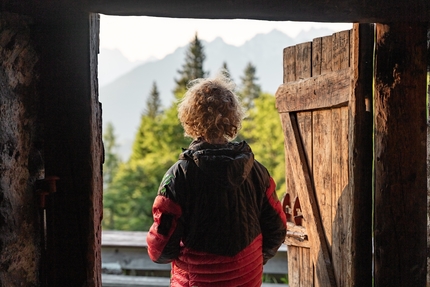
[263, 131]
[276, 279]
[250, 90]
[128, 201]
[173, 132]
[127, 204]
[147, 138]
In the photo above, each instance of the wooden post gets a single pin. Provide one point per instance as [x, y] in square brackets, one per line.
[400, 155]
[360, 154]
[73, 147]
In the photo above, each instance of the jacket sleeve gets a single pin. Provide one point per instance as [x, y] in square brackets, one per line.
[273, 222]
[165, 234]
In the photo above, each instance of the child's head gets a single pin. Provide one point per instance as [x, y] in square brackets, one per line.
[211, 110]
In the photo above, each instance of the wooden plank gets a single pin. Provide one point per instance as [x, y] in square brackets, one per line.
[304, 121]
[339, 183]
[291, 189]
[306, 267]
[303, 60]
[360, 159]
[292, 241]
[340, 50]
[344, 152]
[344, 199]
[336, 151]
[109, 280]
[131, 259]
[319, 252]
[119, 238]
[400, 150]
[316, 56]
[289, 64]
[323, 91]
[294, 264]
[315, 279]
[326, 54]
[322, 168]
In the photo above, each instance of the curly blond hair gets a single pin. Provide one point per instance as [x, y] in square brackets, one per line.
[211, 110]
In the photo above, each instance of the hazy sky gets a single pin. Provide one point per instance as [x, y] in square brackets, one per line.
[140, 38]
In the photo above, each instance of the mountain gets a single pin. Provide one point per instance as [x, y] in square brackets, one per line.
[123, 97]
[113, 64]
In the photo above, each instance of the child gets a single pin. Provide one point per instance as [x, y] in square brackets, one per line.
[216, 216]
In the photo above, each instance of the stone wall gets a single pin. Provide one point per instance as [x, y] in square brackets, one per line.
[20, 154]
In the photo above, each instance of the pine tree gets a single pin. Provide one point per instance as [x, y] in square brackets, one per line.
[225, 71]
[193, 67]
[146, 136]
[112, 159]
[250, 90]
[153, 104]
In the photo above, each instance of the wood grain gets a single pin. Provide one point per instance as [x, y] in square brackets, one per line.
[319, 252]
[400, 151]
[289, 64]
[303, 60]
[325, 91]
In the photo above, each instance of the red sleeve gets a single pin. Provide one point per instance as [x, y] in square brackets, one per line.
[273, 222]
[162, 239]
[274, 201]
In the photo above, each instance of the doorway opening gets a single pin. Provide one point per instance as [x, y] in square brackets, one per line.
[142, 140]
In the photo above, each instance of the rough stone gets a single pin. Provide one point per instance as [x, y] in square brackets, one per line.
[19, 234]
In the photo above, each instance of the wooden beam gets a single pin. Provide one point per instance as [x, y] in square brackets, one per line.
[363, 11]
[305, 10]
[400, 155]
[73, 148]
[95, 178]
[329, 90]
[361, 154]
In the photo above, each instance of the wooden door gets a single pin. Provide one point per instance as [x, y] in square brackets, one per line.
[325, 109]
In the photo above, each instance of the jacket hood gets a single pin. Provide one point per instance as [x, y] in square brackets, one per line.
[227, 164]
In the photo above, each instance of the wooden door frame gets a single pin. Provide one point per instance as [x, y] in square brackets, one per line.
[72, 146]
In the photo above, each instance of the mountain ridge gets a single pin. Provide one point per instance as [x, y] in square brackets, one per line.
[124, 98]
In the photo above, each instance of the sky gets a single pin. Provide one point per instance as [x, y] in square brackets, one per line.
[143, 38]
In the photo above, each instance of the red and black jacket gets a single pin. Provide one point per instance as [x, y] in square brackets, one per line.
[216, 217]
